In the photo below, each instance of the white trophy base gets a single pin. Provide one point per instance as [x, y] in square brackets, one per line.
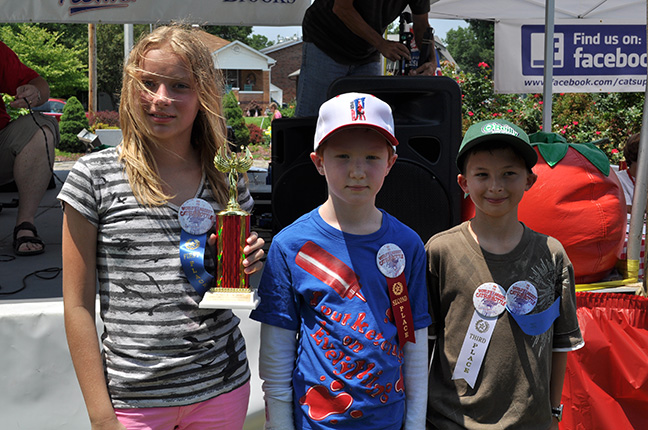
[230, 298]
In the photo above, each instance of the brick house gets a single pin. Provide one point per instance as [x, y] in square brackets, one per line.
[246, 71]
[288, 57]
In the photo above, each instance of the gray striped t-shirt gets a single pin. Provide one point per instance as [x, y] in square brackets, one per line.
[159, 348]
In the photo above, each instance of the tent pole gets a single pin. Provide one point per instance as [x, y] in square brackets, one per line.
[128, 40]
[641, 185]
[639, 198]
[548, 66]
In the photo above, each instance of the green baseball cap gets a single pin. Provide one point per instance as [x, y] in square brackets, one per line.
[501, 130]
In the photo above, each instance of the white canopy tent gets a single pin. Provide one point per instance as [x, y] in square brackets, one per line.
[203, 12]
[592, 10]
[128, 12]
[553, 11]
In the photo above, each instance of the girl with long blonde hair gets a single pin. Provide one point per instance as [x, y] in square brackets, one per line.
[162, 362]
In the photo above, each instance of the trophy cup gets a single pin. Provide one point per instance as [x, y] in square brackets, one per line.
[231, 288]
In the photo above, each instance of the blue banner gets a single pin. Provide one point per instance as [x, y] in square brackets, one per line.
[582, 50]
[587, 57]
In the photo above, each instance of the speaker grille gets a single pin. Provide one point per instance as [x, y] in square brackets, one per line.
[417, 198]
[421, 190]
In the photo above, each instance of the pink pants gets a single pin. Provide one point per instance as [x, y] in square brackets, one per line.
[225, 412]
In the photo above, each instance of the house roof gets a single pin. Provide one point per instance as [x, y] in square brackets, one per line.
[281, 45]
[213, 43]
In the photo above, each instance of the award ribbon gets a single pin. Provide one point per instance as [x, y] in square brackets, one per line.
[196, 218]
[521, 298]
[489, 300]
[391, 263]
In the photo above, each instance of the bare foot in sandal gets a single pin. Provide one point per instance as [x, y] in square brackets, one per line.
[26, 240]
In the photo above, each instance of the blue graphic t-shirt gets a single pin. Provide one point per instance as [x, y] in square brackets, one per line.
[326, 284]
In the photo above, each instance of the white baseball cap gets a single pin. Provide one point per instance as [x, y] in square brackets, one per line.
[354, 110]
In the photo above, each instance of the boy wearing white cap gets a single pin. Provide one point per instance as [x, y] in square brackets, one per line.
[503, 300]
[343, 299]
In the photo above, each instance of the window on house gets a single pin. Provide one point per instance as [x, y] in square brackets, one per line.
[232, 78]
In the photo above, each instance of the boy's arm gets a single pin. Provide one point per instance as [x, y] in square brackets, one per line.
[415, 371]
[276, 365]
[558, 366]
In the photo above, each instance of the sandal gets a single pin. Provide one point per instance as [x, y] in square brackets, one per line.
[18, 241]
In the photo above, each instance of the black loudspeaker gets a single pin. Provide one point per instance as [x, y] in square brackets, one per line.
[421, 190]
[297, 187]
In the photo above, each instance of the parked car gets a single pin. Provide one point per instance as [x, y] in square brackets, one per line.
[52, 107]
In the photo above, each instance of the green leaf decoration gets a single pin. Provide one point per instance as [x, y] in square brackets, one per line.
[552, 152]
[553, 148]
[542, 137]
[594, 155]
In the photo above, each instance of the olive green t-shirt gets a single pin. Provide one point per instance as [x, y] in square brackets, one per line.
[512, 387]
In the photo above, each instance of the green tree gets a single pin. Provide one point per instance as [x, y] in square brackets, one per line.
[229, 32]
[72, 122]
[110, 56]
[42, 51]
[234, 116]
[472, 45]
[73, 36]
[258, 42]
[240, 33]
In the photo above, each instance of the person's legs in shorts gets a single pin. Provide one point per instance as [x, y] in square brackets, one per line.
[27, 150]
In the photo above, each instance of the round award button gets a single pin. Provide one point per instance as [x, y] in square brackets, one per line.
[489, 299]
[390, 260]
[521, 297]
[196, 216]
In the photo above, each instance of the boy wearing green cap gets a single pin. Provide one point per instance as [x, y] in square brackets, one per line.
[503, 298]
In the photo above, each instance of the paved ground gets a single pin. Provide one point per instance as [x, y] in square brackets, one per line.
[16, 270]
[37, 278]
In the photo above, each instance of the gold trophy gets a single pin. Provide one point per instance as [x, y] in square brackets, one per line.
[231, 288]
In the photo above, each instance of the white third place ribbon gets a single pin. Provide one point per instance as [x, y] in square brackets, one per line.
[490, 301]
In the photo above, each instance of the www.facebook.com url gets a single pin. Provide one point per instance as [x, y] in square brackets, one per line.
[571, 82]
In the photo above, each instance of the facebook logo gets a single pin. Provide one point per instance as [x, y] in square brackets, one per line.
[537, 50]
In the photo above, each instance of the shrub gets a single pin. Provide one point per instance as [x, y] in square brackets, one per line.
[234, 116]
[256, 134]
[288, 112]
[72, 122]
[606, 119]
[104, 119]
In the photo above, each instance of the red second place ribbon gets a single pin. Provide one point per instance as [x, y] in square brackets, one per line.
[391, 263]
[401, 308]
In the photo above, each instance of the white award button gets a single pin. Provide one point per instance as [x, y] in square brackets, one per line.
[489, 299]
[196, 216]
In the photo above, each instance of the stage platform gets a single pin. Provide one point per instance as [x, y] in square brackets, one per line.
[39, 387]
